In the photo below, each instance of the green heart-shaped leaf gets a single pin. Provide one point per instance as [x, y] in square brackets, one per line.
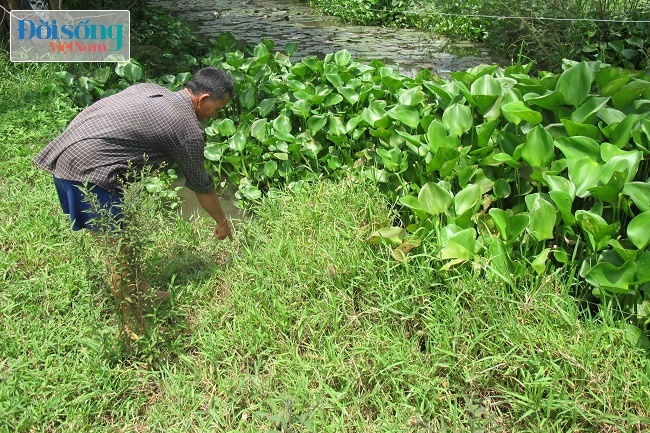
[597, 229]
[460, 245]
[316, 123]
[392, 235]
[457, 119]
[510, 226]
[226, 127]
[412, 96]
[269, 168]
[342, 58]
[238, 142]
[434, 199]
[258, 129]
[610, 277]
[467, 198]
[575, 83]
[538, 150]
[638, 230]
[542, 217]
[589, 109]
[406, 114]
[517, 111]
[639, 192]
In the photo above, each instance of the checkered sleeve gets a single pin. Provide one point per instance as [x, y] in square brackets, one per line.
[189, 157]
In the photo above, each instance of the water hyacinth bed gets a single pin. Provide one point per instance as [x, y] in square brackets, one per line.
[492, 166]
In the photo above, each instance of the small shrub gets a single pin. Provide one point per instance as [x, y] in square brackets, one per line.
[455, 20]
[368, 12]
[547, 36]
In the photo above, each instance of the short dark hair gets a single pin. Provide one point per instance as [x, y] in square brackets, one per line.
[213, 81]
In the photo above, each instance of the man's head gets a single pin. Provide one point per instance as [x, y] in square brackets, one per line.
[210, 90]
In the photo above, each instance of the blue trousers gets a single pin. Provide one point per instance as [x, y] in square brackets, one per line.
[74, 202]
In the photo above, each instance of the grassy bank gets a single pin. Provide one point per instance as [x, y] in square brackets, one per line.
[299, 325]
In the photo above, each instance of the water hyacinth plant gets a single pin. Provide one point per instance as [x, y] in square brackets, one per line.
[493, 165]
[517, 170]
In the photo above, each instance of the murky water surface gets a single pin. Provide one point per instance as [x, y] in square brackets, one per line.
[191, 208]
[282, 21]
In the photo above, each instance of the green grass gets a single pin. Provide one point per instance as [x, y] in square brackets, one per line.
[299, 325]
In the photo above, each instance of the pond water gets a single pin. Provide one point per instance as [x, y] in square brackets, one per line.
[283, 21]
[191, 208]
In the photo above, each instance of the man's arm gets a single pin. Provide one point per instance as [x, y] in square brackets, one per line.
[210, 202]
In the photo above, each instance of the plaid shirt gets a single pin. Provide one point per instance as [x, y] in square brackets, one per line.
[145, 123]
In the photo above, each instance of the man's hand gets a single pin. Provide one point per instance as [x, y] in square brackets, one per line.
[223, 231]
[210, 202]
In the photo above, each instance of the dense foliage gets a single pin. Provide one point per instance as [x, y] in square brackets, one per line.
[369, 12]
[530, 30]
[549, 34]
[495, 165]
